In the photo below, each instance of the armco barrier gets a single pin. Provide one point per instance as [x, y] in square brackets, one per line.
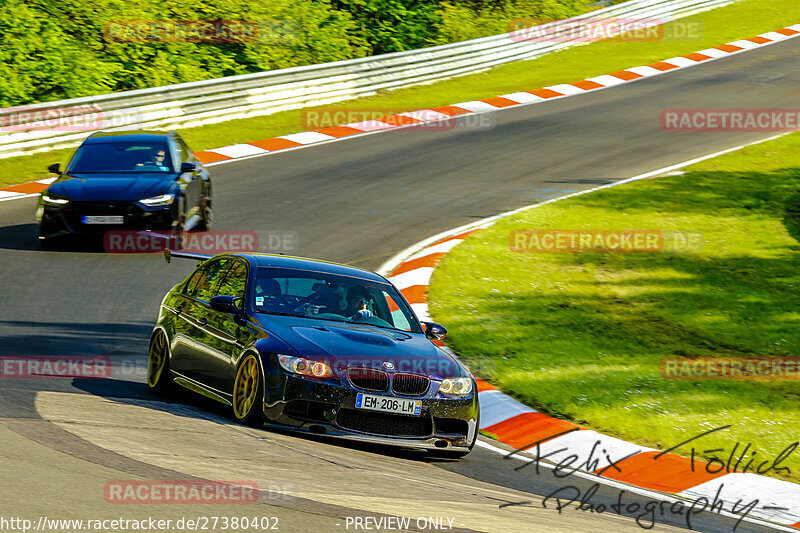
[218, 100]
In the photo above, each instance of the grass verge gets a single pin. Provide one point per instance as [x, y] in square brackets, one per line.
[742, 19]
[581, 335]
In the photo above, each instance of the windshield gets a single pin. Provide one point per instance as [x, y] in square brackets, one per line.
[319, 295]
[121, 157]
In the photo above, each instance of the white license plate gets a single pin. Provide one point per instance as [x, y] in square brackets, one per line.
[388, 405]
[109, 219]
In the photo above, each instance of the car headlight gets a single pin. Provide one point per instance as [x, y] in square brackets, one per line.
[456, 386]
[305, 367]
[163, 199]
[54, 201]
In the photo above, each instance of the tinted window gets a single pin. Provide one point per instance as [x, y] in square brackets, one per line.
[185, 152]
[121, 157]
[326, 296]
[235, 281]
[188, 287]
[208, 279]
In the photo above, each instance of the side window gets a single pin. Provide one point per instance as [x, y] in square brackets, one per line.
[235, 281]
[185, 152]
[203, 288]
[398, 320]
[189, 286]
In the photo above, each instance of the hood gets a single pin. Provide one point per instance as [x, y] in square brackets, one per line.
[120, 187]
[342, 345]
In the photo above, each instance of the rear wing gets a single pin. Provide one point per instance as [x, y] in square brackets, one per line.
[169, 254]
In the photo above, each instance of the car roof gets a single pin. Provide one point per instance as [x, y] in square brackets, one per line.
[103, 137]
[303, 263]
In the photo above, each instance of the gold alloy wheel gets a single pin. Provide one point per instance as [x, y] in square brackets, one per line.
[245, 387]
[156, 359]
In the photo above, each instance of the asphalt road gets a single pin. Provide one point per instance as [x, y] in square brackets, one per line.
[357, 201]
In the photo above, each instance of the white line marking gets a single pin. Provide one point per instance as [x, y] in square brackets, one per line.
[442, 247]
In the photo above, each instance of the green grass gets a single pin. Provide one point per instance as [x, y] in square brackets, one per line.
[742, 19]
[581, 335]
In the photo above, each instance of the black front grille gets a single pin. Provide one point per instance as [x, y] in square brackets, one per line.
[368, 379]
[410, 384]
[103, 208]
[385, 424]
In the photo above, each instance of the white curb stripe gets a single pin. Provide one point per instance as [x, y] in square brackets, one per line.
[418, 276]
[589, 446]
[497, 407]
[680, 61]
[566, 89]
[747, 45]
[370, 125]
[239, 150]
[476, 106]
[307, 137]
[523, 97]
[748, 487]
[607, 80]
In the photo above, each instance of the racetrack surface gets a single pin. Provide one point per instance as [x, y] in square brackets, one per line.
[356, 201]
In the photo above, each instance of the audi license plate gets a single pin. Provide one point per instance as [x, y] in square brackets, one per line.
[388, 405]
[108, 219]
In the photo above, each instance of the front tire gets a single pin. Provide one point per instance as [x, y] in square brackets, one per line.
[159, 379]
[248, 392]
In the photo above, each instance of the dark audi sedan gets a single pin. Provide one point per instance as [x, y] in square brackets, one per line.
[139, 180]
[315, 347]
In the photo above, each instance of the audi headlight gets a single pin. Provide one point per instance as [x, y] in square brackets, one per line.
[456, 386]
[155, 201]
[305, 367]
[54, 201]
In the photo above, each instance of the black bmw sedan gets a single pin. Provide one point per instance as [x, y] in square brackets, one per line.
[139, 180]
[316, 347]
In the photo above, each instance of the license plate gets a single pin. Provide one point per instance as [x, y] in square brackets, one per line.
[109, 219]
[388, 405]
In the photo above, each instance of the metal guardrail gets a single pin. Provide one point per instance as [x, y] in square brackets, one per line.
[262, 93]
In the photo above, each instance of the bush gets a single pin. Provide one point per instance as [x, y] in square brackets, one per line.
[56, 49]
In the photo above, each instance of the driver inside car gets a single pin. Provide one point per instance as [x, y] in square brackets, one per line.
[269, 295]
[358, 303]
[156, 159]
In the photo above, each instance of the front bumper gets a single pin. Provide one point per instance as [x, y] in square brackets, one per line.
[329, 409]
[68, 219]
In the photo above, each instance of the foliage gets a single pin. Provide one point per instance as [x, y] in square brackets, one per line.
[56, 49]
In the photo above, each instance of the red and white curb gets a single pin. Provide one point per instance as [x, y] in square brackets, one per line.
[437, 114]
[520, 426]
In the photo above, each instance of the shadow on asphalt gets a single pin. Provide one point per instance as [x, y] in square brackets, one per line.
[26, 237]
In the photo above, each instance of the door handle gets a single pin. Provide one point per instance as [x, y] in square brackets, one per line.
[203, 322]
[178, 310]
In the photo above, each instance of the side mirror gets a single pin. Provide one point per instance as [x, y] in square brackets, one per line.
[225, 304]
[55, 168]
[434, 331]
[188, 167]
